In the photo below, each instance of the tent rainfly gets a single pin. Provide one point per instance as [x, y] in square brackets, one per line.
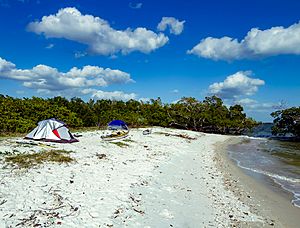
[51, 130]
[117, 125]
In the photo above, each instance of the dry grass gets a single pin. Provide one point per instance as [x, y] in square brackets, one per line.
[5, 135]
[128, 140]
[31, 160]
[120, 144]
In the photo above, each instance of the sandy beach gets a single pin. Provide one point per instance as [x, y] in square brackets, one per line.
[156, 180]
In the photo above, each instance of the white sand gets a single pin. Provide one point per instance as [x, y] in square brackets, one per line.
[157, 181]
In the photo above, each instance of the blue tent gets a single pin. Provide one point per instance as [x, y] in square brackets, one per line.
[117, 124]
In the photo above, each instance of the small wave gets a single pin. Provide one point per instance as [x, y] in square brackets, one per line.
[277, 179]
[269, 174]
[259, 157]
[296, 202]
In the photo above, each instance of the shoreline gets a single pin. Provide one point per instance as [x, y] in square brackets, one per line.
[158, 180]
[274, 206]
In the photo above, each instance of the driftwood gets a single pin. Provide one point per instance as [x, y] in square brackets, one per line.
[181, 136]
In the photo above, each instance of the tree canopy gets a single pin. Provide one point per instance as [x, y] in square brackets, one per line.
[209, 115]
[286, 121]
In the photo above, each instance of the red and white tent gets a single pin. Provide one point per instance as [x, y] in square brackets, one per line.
[51, 130]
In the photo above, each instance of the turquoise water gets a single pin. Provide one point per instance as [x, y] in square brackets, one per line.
[273, 159]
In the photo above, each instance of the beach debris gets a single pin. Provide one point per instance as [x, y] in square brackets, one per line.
[185, 136]
[101, 156]
[118, 212]
[147, 132]
[27, 143]
[139, 211]
[3, 202]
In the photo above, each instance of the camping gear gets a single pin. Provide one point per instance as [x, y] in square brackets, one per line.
[119, 130]
[115, 135]
[51, 130]
[117, 125]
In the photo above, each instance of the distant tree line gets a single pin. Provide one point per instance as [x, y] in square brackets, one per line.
[210, 115]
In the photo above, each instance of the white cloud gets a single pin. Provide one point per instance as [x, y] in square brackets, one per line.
[79, 54]
[144, 99]
[253, 105]
[49, 46]
[224, 48]
[175, 102]
[236, 85]
[257, 43]
[175, 26]
[45, 78]
[135, 5]
[175, 91]
[97, 33]
[115, 95]
[6, 66]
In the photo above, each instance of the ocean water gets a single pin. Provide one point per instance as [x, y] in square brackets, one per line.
[275, 162]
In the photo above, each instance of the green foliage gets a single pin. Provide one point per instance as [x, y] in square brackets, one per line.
[286, 121]
[211, 115]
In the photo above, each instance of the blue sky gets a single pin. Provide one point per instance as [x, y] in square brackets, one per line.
[246, 52]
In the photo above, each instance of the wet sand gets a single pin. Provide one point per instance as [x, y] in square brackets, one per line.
[274, 206]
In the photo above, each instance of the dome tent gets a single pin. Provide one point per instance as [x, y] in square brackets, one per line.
[51, 130]
[117, 125]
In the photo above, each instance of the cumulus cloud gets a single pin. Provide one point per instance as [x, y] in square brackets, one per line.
[115, 95]
[101, 38]
[236, 85]
[175, 26]
[46, 78]
[257, 43]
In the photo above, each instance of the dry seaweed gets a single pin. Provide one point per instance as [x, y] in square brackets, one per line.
[120, 144]
[31, 160]
[185, 136]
